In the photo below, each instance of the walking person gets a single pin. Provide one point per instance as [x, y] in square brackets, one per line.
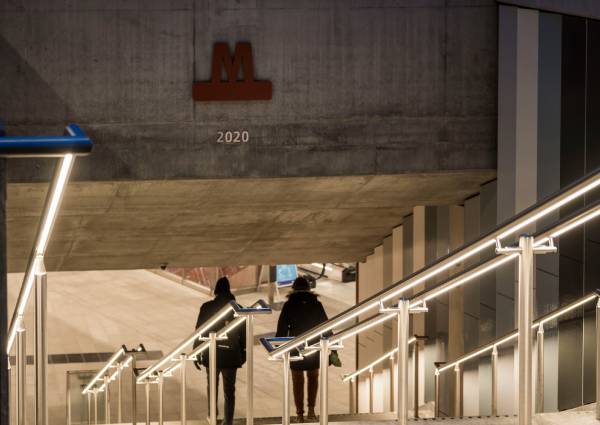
[231, 352]
[301, 312]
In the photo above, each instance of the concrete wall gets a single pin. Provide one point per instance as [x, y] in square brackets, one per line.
[358, 87]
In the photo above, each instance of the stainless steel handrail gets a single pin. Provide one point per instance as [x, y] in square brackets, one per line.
[389, 355]
[528, 247]
[111, 371]
[554, 231]
[509, 336]
[73, 143]
[259, 307]
[492, 348]
[177, 359]
[508, 228]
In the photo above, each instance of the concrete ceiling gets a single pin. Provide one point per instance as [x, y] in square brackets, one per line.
[210, 222]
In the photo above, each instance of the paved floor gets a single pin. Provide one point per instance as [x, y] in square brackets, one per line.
[98, 311]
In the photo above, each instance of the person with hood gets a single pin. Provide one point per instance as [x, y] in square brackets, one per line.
[301, 312]
[231, 353]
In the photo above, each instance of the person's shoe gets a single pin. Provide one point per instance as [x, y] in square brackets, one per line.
[311, 417]
[299, 419]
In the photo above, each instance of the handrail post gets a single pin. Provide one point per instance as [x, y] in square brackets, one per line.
[89, 404]
[212, 369]
[525, 307]
[285, 420]
[147, 387]
[392, 386]
[324, 396]
[119, 391]
[598, 359]
[540, 370]
[416, 378]
[69, 404]
[458, 402]
[352, 392]
[371, 389]
[183, 391]
[96, 407]
[495, 381]
[436, 406]
[133, 391]
[41, 344]
[106, 400]
[250, 370]
[161, 381]
[21, 370]
[526, 251]
[402, 363]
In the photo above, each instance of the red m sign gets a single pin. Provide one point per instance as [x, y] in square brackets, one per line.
[232, 88]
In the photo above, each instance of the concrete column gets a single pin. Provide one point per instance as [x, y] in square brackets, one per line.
[456, 340]
[397, 275]
[368, 342]
[419, 261]
[517, 185]
[456, 310]
[397, 254]
[471, 305]
[377, 334]
[386, 377]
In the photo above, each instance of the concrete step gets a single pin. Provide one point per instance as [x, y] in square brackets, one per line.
[584, 415]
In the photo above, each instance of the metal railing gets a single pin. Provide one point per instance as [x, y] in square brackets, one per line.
[527, 247]
[486, 349]
[455, 258]
[177, 359]
[390, 356]
[491, 348]
[66, 148]
[100, 383]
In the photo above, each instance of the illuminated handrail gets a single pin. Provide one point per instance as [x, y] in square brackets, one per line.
[580, 217]
[554, 231]
[484, 348]
[74, 139]
[115, 362]
[513, 334]
[387, 356]
[164, 364]
[508, 228]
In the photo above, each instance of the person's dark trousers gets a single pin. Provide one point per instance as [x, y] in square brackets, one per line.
[312, 387]
[229, 376]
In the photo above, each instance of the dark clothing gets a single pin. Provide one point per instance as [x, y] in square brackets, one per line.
[301, 312]
[312, 387]
[231, 352]
[229, 376]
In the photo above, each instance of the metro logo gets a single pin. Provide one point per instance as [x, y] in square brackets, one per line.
[232, 88]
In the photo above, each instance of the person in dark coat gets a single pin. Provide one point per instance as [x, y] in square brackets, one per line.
[231, 353]
[301, 312]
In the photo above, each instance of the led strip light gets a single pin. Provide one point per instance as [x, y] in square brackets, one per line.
[569, 223]
[53, 199]
[100, 375]
[513, 335]
[389, 355]
[172, 356]
[528, 217]
[259, 307]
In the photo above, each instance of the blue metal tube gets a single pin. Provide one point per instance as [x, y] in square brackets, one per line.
[74, 141]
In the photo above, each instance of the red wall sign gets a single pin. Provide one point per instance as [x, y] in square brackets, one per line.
[232, 88]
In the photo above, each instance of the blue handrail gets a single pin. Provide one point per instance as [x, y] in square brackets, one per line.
[74, 141]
